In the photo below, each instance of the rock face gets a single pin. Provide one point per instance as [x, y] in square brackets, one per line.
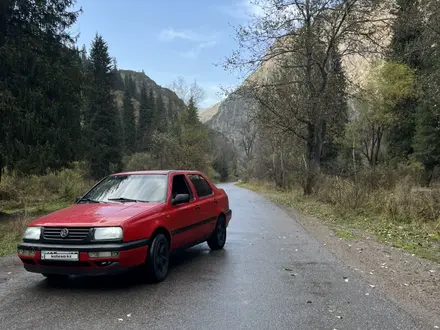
[207, 113]
[231, 117]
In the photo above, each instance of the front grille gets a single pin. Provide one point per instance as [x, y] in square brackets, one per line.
[74, 234]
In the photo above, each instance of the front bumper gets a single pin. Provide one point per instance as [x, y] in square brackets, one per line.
[130, 255]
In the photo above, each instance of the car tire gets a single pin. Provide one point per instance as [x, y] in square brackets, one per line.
[158, 259]
[218, 238]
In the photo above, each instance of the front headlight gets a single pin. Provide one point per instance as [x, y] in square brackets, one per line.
[105, 233]
[32, 233]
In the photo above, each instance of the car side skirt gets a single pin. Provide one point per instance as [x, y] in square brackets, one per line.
[194, 225]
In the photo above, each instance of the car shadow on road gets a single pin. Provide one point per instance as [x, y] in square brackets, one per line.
[181, 264]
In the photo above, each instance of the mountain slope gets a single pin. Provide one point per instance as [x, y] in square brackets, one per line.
[170, 98]
[206, 114]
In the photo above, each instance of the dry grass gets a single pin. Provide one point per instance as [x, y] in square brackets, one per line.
[23, 198]
[402, 216]
[35, 193]
[11, 232]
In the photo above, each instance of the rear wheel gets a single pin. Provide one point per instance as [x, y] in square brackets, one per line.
[218, 238]
[158, 258]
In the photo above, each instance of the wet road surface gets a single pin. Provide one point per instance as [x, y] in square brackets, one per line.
[271, 275]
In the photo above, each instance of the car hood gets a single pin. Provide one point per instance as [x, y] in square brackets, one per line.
[84, 215]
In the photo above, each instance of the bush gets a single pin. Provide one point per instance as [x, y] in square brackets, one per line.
[139, 162]
[390, 192]
[23, 192]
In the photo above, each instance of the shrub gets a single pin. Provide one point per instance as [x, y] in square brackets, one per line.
[139, 162]
[22, 192]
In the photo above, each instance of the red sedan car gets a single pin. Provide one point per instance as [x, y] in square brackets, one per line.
[125, 221]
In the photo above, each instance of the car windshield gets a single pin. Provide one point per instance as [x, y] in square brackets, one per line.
[130, 188]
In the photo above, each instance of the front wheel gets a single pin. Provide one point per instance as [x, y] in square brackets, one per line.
[158, 258]
[218, 238]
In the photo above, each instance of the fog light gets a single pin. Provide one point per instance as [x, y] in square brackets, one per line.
[106, 254]
[26, 253]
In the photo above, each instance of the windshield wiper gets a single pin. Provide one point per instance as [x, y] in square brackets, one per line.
[123, 199]
[89, 200]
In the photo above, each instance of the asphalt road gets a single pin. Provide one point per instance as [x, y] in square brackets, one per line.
[271, 275]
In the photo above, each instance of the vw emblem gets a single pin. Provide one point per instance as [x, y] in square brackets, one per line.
[64, 233]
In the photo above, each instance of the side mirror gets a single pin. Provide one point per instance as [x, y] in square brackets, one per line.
[180, 198]
[77, 199]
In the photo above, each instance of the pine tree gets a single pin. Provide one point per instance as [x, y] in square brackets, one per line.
[335, 127]
[194, 140]
[84, 59]
[150, 124]
[118, 84]
[40, 86]
[405, 48]
[130, 85]
[426, 141]
[129, 123]
[192, 116]
[160, 120]
[143, 118]
[104, 150]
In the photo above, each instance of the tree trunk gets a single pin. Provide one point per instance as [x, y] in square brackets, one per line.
[314, 150]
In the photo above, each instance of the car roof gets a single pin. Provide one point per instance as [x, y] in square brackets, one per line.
[160, 172]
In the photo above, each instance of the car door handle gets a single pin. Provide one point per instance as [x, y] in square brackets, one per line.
[215, 201]
[197, 207]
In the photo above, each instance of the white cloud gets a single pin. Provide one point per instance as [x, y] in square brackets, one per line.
[243, 9]
[171, 34]
[194, 52]
[200, 41]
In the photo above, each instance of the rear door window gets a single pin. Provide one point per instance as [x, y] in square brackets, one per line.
[202, 187]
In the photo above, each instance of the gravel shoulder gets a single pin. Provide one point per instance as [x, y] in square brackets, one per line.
[410, 282]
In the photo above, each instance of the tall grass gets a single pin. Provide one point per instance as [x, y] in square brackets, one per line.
[30, 193]
[389, 205]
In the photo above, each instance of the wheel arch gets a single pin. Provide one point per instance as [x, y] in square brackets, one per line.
[164, 231]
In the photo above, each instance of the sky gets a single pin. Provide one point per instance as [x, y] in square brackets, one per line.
[168, 38]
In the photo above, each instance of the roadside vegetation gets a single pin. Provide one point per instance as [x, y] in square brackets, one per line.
[402, 217]
[345, 125]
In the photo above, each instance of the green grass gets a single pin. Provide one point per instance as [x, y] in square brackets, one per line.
[345, 234]
[414, 236]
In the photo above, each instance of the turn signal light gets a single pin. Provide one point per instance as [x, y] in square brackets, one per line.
[26, 253]
[106, 254]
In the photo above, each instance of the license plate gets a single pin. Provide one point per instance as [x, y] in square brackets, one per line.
[60, 255]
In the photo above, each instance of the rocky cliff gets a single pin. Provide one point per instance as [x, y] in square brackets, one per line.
[232, 116]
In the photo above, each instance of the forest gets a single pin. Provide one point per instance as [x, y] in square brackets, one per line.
[70, 116]
[346, 125]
